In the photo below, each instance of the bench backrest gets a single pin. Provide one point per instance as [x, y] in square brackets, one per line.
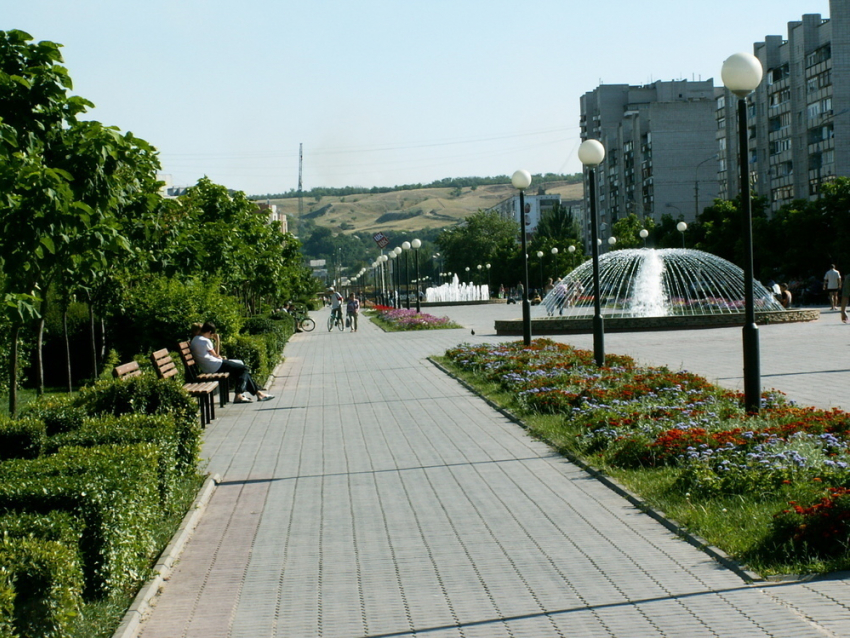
[188, 359]
[127, 370]
[163, 364]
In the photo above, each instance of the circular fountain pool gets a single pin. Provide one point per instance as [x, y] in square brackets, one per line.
[648, 289]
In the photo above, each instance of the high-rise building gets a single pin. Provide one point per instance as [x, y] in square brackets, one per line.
[798, 117]
[660, 149]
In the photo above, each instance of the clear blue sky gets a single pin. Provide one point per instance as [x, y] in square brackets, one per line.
[380, 92]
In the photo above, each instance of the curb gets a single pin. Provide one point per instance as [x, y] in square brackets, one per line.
[132, 620]
[701, 544]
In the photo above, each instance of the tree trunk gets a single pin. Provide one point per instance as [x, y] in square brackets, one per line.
[13, 371]
[40, 353]
[67, 348]
[93, 338]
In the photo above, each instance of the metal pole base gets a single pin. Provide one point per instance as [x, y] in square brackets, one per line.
[526, 322]
[599, 340]
[752, 369]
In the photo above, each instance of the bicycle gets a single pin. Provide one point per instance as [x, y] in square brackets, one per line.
[336, 320]
[303, 322]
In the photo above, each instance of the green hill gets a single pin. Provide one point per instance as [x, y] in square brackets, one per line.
[409, 209]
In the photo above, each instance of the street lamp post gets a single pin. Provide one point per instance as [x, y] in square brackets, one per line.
[554, 262]
[591, 153]
[682, 227]
[521, 180]
[393, 277]
[406, 247]
[741, 74]
[489, 293]
[696, 184]
[416, 244]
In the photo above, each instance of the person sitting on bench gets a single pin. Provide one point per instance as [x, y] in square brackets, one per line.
[208, 360]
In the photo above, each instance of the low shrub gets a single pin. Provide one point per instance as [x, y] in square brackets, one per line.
[126, 429]
[43, 582]
[254, 352]
[821, 529]
[59, 412]
[147, 395]
[112, 490]
[275, 334]
[21, 438]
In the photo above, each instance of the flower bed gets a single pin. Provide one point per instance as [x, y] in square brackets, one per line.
[644, 422]
[402, 319]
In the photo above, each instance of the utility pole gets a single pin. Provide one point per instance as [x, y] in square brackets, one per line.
[300, 184]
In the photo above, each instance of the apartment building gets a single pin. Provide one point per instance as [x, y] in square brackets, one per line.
[798, 117]
[535, 207]
[661, 149]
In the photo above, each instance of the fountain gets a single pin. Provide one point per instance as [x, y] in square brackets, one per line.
[456, 292]
[649, 289]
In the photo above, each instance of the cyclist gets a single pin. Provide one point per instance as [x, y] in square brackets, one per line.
[336, 303]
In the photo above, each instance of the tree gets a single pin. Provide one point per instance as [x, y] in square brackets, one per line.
[484, 237]
[627, 231]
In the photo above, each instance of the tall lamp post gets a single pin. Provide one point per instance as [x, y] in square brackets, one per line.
[521, 180]
[696, 184]
[644, 233]
[540, 259]
[406, 247]
[554, 262]
[393, 277]
[741, 74]
[489, 291]
[416, 244]
[591, 153]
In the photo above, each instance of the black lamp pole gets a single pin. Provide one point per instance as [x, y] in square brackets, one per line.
[741, 74]
[526, 306]
[406, 281]
[598, 322]
[418, 304]
[752, 365]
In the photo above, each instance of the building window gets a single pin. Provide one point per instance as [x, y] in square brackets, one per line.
[819, 55]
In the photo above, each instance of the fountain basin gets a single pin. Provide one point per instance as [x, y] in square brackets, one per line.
[584, 325]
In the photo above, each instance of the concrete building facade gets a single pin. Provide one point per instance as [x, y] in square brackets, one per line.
[660, 141]
[798, 117]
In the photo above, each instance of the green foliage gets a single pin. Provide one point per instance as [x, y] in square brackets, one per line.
[627, 231]
[159, 310]
[46, 584]
[486, 237]
[148, 396]
[254, 352]
[111, 489]
[21, 438]
[58, 412]
[159, 430]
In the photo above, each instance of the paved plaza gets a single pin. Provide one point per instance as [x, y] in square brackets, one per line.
[375, 496]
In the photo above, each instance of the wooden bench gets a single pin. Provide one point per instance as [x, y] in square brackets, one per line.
[195, 376]
[127, 370]
[204, 391]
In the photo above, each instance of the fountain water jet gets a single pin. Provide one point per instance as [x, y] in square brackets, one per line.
[647, 282]
[455, 291]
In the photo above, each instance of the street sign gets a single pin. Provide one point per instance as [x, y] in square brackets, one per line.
[381, 239]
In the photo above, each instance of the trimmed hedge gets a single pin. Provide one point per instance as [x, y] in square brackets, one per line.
[41, 586]
[21, 438]
[126, 429]
[112, 490]
[147, 395]
[59, 412]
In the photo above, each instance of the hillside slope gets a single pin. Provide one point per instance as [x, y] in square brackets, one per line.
[407, 210]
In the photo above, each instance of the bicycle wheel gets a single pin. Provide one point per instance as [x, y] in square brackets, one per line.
[331, 322]
[339, 323]
[307, 324]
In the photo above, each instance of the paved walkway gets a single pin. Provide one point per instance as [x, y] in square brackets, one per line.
[377, 497]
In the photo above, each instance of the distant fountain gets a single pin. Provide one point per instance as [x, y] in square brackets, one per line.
[645, 282]
[455, 291]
